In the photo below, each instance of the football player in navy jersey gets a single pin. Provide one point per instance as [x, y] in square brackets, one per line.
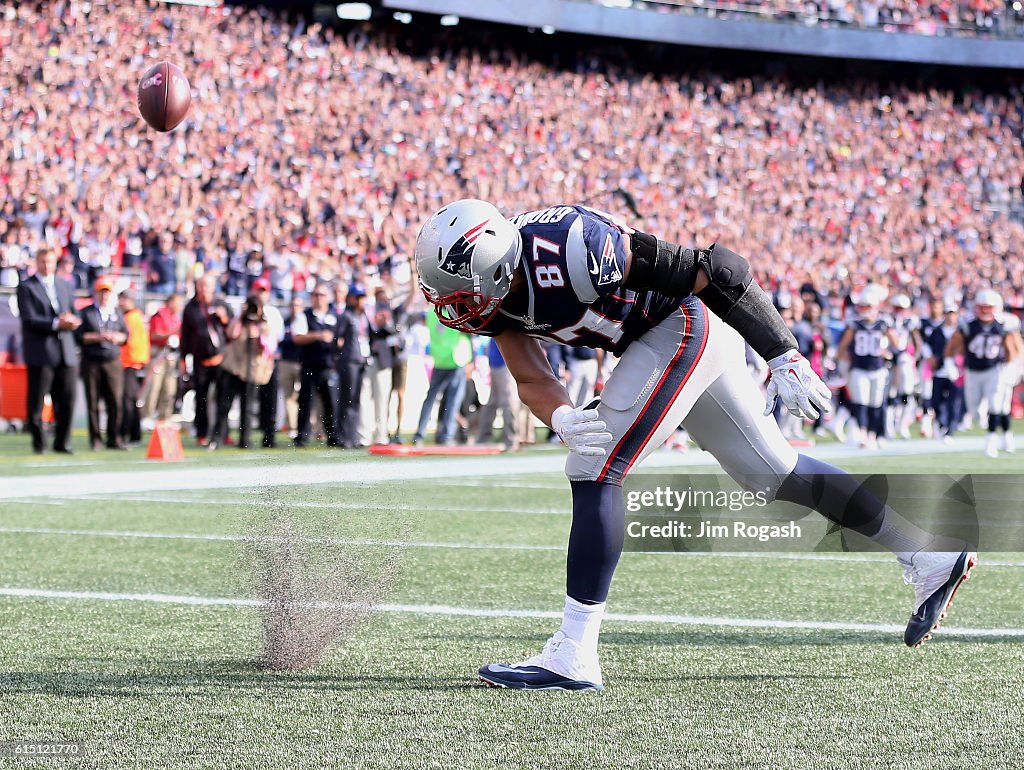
[866, 346]
[574, 275]
[926, 328]
[991, 347]
[947, 395]
[906, 337]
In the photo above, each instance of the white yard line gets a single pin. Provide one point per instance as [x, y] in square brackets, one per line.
[255, 502]
[852, 557]
[486, 482]
[375, 471]
[162, 479]
[247, 538]
[476, 612]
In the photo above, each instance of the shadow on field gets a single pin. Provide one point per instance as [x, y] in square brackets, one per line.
[751, 638]
[202, 676]
[768, 636]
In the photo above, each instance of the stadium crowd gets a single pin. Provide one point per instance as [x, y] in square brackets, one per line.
[310, 157]
[961, 17]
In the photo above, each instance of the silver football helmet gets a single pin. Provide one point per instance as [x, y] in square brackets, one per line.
[466, 255]
[871, 295]
[988, 298]
[987, 305]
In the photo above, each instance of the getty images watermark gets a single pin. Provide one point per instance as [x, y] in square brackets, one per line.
[711, 512]
[664, 501]
[42, 749]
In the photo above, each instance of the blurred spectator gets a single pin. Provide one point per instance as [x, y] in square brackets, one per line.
[102, 333]
[162, 266]
[249, 361]
[353, 358]
[315, 332]
[467, 418]
[237, 274]
[504, 399]
[451, 352]
[48, 324]
[289, 368]
[383, 336]
[583, 365]
[204, 337]
[165, 348]
[400, 316]
[135, 355]
[269, 392]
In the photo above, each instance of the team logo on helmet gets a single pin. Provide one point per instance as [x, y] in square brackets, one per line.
[457, 260]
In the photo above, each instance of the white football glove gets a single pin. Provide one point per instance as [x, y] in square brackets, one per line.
[582, 429]
[949, 370]
[801, 390]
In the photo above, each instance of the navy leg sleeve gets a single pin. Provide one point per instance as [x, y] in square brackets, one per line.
[833, 493]
[595, 541]
[877, 418]
[860, 416]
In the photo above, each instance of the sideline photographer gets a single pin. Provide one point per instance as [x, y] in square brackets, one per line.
[248, 364]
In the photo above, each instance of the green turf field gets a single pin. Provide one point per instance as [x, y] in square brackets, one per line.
[109, 636]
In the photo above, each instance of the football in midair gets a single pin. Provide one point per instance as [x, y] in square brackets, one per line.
[164, 96]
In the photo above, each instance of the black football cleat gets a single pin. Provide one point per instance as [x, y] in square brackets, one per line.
[935, 576]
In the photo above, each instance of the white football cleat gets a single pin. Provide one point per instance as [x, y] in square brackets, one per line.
[927, 426]
[991, 448]
[935, 576]
[562, 665]
[838, 430]
[1008, 446]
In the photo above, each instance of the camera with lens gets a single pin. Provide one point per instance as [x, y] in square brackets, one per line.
[252, 313]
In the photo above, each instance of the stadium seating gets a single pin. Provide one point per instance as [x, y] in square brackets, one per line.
[309, 153]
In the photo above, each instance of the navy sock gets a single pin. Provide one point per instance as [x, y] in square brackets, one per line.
[860, 414]
[595, 540]
[1004, 420]
[993, 422]
[833, 493]
[877, 420]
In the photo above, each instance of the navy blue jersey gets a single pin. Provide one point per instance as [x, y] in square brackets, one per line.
[983, 344]
[939, 338]
[928, 327]
[574, 259]
[904, 329]
[869, 342]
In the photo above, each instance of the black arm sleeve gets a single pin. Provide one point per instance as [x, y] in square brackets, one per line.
[754, 316]
[660, 266]
[732, 294]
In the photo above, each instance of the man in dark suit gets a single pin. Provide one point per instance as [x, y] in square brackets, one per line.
[48, 324]
[315, 333]
[204, 326]
[102, 334]
[353, 356]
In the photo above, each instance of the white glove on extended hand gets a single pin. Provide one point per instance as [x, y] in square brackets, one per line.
[581, 429]
[801, 390]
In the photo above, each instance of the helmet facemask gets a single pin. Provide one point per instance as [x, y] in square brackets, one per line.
[467, 254]
[471, 310]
